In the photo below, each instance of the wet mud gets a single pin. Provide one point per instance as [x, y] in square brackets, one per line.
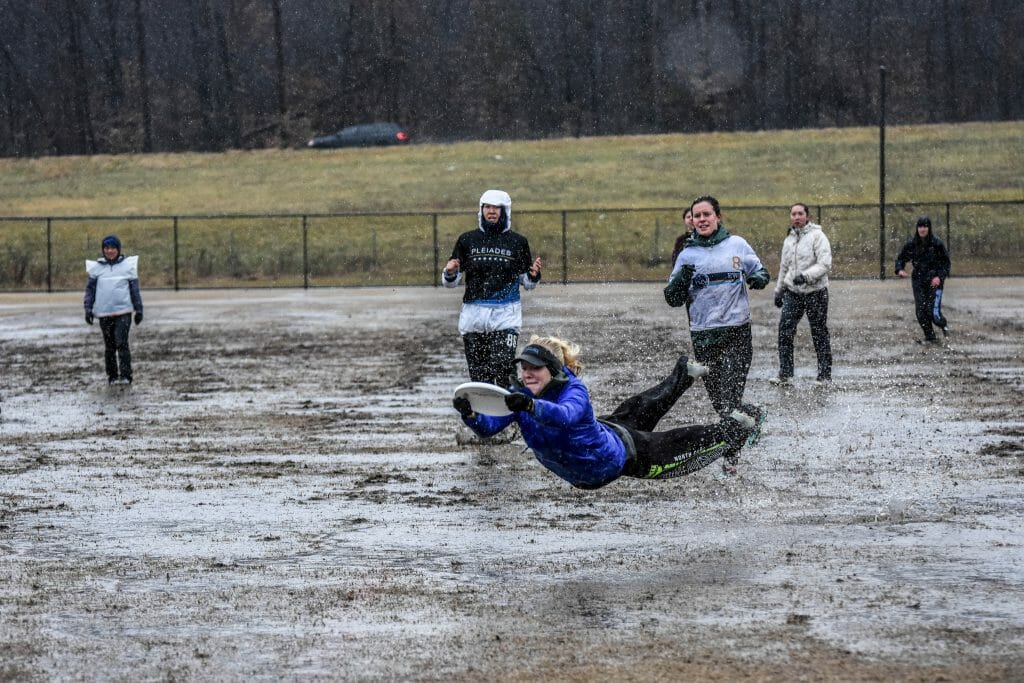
[281, 494]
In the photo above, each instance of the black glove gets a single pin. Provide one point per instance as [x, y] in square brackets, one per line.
[138, 317]
[778, 300]
[461, 404]
[800, 279]
[516, 402]
[88, 317]
[677, 292]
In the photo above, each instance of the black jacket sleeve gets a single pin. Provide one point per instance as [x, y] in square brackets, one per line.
[90, 293]
[136, 295]
[942, 264]
[906, 254]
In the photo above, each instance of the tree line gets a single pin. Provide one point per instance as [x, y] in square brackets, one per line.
[121, 76]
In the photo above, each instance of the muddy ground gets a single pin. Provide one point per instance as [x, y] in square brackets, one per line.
[281, 496]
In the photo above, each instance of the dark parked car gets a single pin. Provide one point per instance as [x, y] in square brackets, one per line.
[363, 135]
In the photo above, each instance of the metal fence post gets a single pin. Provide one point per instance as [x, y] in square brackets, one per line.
[49, 255]
[305, 252]
[881, 173]
[949, 233]
[177, 284]
[565, 250]
[437, 254]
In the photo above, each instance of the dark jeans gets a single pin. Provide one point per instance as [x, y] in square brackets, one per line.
[727, 353]
[491, 355]
[794, 306]
[117, 355]
[672, 453]
[928, 307]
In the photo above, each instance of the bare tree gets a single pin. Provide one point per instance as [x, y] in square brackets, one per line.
[77, 81]
[234, 124]
[141, 65]
[215, 74]
[282, 109]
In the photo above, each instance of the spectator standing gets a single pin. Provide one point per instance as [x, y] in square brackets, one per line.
[683, 236]
[112, 294]
[931, 264]
[802, 288]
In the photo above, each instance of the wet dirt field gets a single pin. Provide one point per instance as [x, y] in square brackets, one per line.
[281, 496]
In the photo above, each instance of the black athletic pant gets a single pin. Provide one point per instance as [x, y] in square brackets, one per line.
[794, 306]
[728, 358]
[672, 453]
[491, 355]
[117, 355]
[926, 307]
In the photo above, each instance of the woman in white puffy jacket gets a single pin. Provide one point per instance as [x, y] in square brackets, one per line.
[112, 295]
[803, 289]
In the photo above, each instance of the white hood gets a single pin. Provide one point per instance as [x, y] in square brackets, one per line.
[495, 198]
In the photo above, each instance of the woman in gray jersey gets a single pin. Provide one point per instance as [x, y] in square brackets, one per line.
[711, 275]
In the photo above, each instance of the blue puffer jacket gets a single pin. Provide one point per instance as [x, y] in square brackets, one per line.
[564, 434]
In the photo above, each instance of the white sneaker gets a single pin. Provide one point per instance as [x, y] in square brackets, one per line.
[745, 421]
[695, 369]
[781, 380]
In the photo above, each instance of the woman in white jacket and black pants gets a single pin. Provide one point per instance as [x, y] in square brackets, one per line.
[803, 288]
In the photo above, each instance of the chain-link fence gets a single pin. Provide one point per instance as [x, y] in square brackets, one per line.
[578, 245]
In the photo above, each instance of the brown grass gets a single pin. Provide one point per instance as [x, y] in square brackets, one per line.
[937, 163]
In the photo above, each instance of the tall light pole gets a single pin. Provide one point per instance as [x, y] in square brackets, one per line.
[881, 173]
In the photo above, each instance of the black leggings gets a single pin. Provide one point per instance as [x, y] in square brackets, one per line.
[491, 355]
[928, 306]
[728, 359]
[672, 453]
[117, 355]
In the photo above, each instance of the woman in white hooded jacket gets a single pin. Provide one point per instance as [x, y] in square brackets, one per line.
[803, 289]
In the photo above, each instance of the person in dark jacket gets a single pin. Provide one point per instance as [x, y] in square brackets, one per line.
[112, 294]
[931, 264]
[684, 236]
[495, 262]
[552, 407]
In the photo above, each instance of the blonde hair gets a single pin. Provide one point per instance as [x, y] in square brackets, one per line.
[566, 352]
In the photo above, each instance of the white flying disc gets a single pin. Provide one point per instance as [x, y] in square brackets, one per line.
[487, 399]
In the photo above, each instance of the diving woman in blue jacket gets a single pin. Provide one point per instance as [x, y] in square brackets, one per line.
[553, 410]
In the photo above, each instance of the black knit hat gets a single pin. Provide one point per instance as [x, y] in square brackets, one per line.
[924, 220]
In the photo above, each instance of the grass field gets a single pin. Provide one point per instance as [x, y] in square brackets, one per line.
[624, 176]
[937, 163]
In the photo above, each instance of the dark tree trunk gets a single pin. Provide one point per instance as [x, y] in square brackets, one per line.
[140, 47]
[282, 109]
